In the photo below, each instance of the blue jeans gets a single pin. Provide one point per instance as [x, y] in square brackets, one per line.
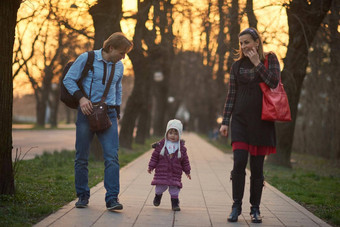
[110, 143]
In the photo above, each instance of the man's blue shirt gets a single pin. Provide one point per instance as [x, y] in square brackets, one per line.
[94, 80]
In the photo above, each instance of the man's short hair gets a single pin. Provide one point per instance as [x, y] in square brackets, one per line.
[118, 41]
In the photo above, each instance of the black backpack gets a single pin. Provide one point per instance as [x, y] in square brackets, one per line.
[65, 96]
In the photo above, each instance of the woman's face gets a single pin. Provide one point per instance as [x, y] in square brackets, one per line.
[247, 43]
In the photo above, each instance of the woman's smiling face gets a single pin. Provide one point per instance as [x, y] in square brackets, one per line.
[247, 43]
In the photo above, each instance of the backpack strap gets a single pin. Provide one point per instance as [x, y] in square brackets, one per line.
[88, 66]
[107, 87]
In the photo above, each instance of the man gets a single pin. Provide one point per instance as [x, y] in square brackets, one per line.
[114, 49]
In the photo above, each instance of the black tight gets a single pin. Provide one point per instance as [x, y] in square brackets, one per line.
[240, 163]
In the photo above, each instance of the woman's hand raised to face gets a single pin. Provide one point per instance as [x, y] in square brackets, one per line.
[253, 56]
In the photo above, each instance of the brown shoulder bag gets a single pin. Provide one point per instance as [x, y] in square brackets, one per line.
[99, 120]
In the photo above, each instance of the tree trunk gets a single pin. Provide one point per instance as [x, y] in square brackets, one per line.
[234, 30]
[335, 93]
[164, 21]
[221, 51]
[54, 103]
[8, 17]
[106, 16]
[143, 125]
[143, 128]
[304, 19]
[252, 21]
[138, 98]
[40, 108]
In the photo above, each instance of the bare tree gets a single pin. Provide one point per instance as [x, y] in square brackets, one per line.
[42, 86]
[221, 51]
[335, 67]
[234, 30]
[8, 17]
[317, 125]
[252, 21]
[304, 19]
[138, 98]
[106, 15]
[46, 47]
[162, 20]
[153, 52]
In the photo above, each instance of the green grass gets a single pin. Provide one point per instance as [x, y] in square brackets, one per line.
[313, 182]
[46, 183]
[318, 190]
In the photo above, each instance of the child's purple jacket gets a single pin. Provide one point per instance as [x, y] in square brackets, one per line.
[169, 171]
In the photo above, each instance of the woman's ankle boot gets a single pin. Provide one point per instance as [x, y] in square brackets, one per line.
[256, 186]
[255, 215]
[236, 210]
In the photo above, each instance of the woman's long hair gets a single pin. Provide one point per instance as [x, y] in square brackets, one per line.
[255, 36]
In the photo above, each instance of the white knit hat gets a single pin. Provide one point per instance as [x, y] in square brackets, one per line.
[175, 124]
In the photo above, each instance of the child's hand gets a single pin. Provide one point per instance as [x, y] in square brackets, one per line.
[188, 175]
[149, 171]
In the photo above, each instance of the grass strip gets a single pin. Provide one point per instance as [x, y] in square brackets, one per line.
[46, 183]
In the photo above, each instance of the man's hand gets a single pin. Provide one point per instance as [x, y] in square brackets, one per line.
[224, 130]
[85, 106]
[188, 176]
[149, 171]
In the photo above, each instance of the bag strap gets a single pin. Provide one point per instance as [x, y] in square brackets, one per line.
[267, 66]
[107, 87]
[88, 66]
[266, 62]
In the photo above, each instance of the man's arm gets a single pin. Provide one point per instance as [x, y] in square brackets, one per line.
[74, 74]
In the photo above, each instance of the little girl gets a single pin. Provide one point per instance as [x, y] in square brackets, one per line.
[169, 159]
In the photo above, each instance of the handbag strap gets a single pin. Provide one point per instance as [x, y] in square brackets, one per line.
[107, 87]
[265, 62]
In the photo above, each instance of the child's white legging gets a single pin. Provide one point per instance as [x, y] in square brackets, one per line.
[173, 190]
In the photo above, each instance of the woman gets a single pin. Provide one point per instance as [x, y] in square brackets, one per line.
[249, 134]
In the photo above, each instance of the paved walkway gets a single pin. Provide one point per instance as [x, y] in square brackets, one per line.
[36, 142]
[205, 200]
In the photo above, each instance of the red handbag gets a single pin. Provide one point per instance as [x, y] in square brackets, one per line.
[275, 106]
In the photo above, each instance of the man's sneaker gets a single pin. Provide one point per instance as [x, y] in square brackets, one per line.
[82, 202]
[114, 204]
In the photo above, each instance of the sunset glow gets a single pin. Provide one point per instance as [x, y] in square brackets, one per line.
[272, 23]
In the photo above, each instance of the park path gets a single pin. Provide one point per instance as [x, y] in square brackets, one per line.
[205, 200]
[36, 142]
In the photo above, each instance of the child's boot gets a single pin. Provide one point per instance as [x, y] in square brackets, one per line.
[175, 204]
[157, 200]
